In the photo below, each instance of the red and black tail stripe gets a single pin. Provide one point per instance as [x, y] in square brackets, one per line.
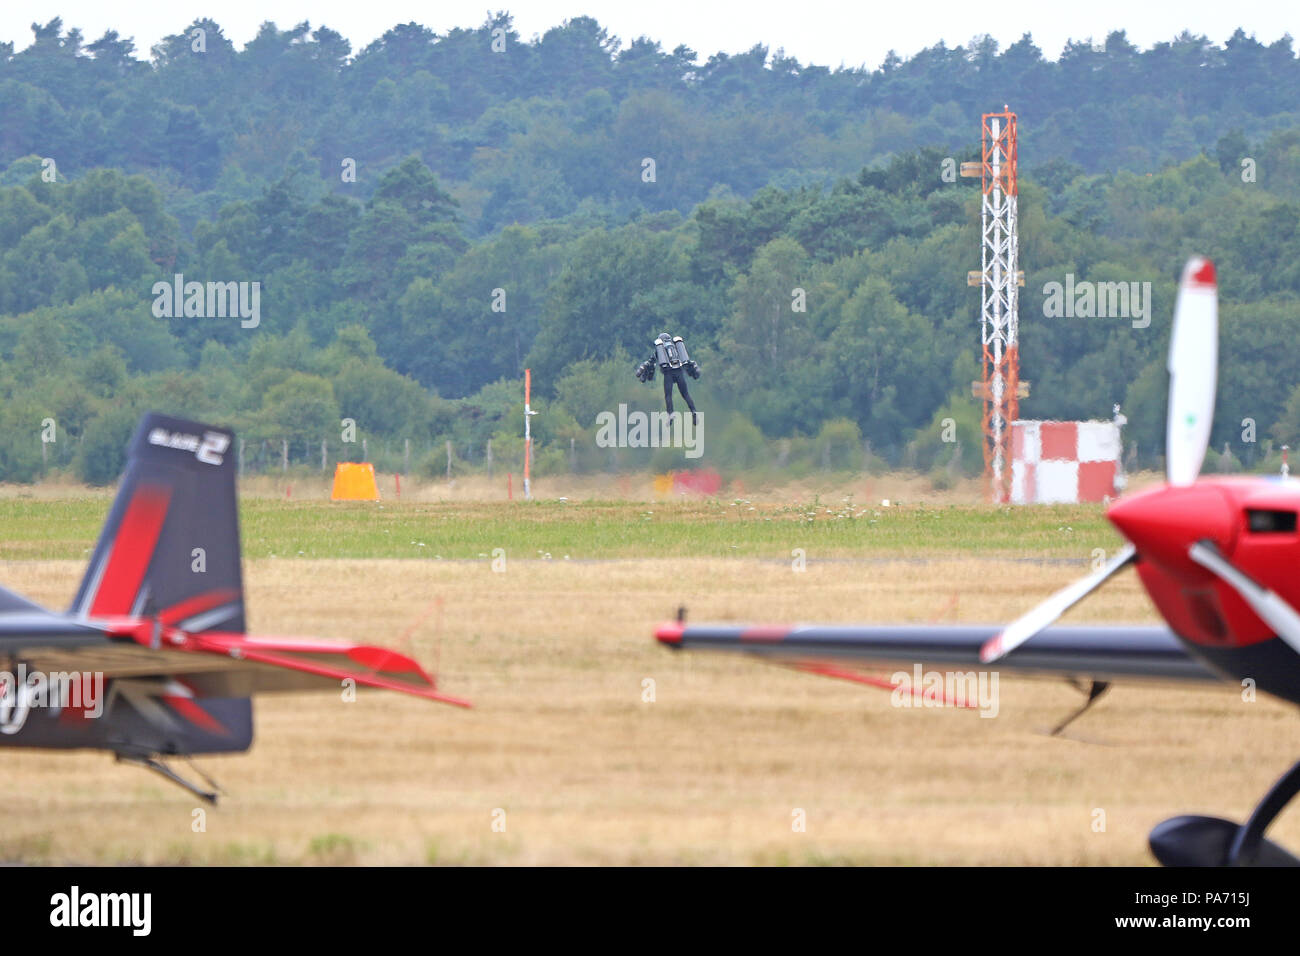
[116, 582]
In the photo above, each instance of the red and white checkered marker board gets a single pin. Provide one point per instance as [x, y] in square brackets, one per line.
[1063, 462]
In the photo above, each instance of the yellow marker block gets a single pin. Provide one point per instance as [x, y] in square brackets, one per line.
[354, 481]
[664, 484]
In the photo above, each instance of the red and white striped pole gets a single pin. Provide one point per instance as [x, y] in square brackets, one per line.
[528, 432]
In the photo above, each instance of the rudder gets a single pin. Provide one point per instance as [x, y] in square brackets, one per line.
[170, 546]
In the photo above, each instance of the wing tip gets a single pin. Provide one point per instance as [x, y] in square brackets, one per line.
[670, 634]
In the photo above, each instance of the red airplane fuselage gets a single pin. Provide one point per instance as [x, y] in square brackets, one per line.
[1252, 522]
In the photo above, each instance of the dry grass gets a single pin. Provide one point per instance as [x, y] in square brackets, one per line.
[554, 655]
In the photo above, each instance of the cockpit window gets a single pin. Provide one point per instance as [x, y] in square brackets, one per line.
[1268, 521]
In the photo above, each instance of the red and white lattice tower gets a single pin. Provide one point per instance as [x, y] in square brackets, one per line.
[999, 298]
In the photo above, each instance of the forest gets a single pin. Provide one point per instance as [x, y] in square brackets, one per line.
[422, 219]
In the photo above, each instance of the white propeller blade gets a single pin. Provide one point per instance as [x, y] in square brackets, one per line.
[1271, 609]
[1193, 371]
[1023, 628]
[1193, 366]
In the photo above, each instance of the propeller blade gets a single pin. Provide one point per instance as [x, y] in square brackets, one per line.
[1193, 366]
[1271, 609]
[1042, 616]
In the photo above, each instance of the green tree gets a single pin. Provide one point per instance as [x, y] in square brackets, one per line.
[101, 455]
[301, 409]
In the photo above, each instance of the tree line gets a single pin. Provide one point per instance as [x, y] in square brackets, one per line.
[797, 225]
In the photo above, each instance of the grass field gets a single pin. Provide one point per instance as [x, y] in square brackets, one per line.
[564, 748]
[581, 530]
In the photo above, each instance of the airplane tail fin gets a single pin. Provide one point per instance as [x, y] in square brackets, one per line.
[170, 546]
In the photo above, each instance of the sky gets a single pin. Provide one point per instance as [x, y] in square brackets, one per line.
[848, 32]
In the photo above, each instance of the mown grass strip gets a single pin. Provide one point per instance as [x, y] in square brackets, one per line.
[67, 528]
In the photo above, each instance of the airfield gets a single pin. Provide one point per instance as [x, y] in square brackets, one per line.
[566, 759]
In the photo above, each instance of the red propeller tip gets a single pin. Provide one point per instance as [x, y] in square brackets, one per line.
[1205, 275]
[992, 649]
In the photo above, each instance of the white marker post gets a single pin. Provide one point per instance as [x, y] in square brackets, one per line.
[528, 433]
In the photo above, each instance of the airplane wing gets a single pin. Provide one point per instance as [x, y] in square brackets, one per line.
[217, 664]
[162, 595]
[1099, 653]
[152, 659]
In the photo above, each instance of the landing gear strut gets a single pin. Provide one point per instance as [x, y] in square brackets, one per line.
[157, 766]
[1095, 690]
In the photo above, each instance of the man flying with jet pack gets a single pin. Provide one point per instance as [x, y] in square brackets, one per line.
[671, 357]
